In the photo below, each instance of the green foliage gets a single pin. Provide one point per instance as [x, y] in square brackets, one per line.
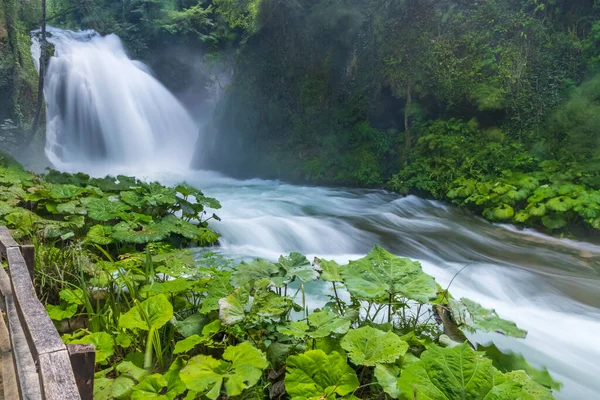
[380, 276]
[287, 270]
[166, 325]
[370, 346]
[103, 344]
[102, 210]
[460, 372]
[544, 198]
[241, 369]
[507, 362]
[315, 374]
[473, 317]
[152, 313]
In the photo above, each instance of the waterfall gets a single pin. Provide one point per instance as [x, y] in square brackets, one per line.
[105, 109]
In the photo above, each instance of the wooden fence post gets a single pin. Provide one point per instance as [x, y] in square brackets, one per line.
[27, 250]
[83, 361]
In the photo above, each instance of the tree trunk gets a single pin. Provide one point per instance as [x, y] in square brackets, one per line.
[407, 134]
[38, 110]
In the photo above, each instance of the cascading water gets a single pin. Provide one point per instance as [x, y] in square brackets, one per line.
[104, 108]
[107, 114]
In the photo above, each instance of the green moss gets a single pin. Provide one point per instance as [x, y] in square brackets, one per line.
[18, 78]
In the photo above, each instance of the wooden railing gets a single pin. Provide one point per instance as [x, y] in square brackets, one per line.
[34, 361]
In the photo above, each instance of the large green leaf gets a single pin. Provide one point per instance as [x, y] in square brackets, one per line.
[253, 271]
[24, 221]
[232, 308]
[380, 275]
[103, 388]
[208, 331]
[205, 374]
[330, 270]
[500, 213]
[132, 198]
[268, 304]
[460, 373]
[128, 232]
[60, 192]
[150, 388]
[317, 375]
[295, 266]
[508, 361]
[121, 388]
[529, 386]
[60, 312]
[114, 184]
[242, 369]
[369, 346]
[189, 230]
[6, 209]
[187, 344]
[265, 305]
[554, 221]
[100, 234]
[15, 175]
[325, 323]
[586, 207]
[104, 209]
[127, 368]
[151, 313]
[72, 207]
[154, 194]
[450, 373]
[560, 203]
[187, 190]
[387, 377]
[298, 329]
[218, 288]
[72, 296]
[191, 325]
[472, 316]
[173, 286]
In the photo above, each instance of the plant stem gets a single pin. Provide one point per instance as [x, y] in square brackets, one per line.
[304, 302]
[418, 314]
[148, 353]
[337, 299]
[390, 309]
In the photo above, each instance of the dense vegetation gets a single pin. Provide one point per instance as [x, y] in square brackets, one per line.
[416, 96]
[419, 96]
[493, 105]
[112, 266]
[18, 79]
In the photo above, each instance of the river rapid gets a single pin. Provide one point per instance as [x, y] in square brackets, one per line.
[107, 114]
[548, 286]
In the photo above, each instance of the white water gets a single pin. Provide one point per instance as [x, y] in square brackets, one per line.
[549, 286]
[104, 108]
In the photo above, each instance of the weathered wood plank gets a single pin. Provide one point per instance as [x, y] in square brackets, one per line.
[28, 252]
[37, 325]
[10, 385]
[83, 361]
[5, 287]
[6, 240]
[27, 376]
[56, 376]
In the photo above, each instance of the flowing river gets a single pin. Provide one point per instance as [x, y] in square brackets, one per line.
[549, 286]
